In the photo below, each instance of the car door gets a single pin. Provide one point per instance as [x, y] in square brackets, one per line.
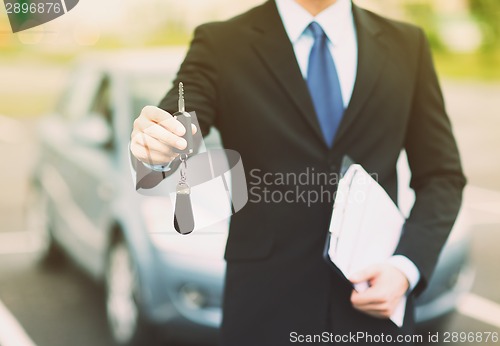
[81, 170]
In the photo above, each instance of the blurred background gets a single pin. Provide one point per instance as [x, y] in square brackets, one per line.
[61, 305]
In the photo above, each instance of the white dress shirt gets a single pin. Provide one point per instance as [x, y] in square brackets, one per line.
[338, 24]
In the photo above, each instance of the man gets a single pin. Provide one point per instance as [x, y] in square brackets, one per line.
[294, 86]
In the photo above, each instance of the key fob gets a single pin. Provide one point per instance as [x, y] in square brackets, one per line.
[185, 119]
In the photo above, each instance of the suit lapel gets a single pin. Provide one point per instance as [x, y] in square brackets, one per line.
[274, 47]
[276, 51]
[371, 60]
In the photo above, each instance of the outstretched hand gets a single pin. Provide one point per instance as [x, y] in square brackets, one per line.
[155, 135]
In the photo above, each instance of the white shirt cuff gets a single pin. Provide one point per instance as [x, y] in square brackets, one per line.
[408, 268]
[159, 168]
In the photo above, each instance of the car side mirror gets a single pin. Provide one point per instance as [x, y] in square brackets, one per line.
[93, 130]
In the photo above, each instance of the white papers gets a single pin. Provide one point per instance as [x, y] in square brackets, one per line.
[365, 227]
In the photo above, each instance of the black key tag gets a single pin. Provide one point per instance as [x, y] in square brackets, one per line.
[183, 212]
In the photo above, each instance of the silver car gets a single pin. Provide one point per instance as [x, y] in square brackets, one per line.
[159, 285]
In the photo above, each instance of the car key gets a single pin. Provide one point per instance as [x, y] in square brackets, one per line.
[185, 119]
[183, 213]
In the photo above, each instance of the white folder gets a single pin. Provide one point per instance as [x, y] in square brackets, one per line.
[365, 227]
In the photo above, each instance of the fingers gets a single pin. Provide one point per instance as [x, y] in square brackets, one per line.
[157, 115]
[180, 132]
[377, 304]
[160, 134]
[165, 119]
[161, 130]
[369, 297]
[147, 141]
[143, 154]
[155, 134]
[149, 150]
[382, 297]
[366, 275]
[194, 128]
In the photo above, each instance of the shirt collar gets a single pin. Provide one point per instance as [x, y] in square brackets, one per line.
[334, 20]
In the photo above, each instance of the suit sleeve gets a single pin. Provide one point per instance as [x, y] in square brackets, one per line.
[437, 176]
[199, 75]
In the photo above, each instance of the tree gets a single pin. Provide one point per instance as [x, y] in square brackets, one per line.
[488, 13]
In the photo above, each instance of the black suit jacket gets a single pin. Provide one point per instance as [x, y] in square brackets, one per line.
[241, 76]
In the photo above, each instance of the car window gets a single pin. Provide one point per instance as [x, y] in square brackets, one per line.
[101, 106]
[77, 98]
[102, 101]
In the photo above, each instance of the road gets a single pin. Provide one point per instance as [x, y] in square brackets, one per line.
[60, 306]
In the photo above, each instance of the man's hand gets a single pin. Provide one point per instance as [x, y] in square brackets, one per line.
[154, 136]
[387, 286]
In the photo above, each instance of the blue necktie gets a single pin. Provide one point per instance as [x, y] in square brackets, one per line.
[324, 85]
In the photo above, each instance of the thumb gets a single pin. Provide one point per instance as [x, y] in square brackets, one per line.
[365, 275]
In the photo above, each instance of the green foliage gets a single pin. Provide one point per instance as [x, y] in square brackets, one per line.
[422, 14]
[473, 66]
[481, 65]
[488, 14]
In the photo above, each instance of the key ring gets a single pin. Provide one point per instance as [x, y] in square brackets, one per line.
[183, 158]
